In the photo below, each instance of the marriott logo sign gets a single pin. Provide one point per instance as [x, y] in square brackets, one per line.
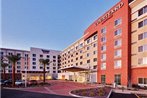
[110, 13]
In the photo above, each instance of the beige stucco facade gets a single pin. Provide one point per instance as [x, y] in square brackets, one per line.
[82, 53]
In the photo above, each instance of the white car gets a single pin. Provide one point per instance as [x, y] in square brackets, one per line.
[19, 82]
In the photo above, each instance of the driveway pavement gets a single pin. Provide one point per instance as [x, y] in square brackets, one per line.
[11, 93]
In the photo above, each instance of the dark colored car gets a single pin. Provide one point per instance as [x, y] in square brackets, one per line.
[2, 82]
[8, 82]
[32, 82]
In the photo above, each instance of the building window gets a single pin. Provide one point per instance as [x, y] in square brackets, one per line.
[117, 43]
[95, 59]
[18, 54]
[54, 60]
[117, 64]
[88, 41]
[88, 61]
[103, 79]
[54, 57]
[103, 48]
[103, 57]
[103, 39]
[117, 53]
[142, 48]
[142, 36]
[117, 22]
[142, 23]
[18, 67]
[142, 61]
[76, 58]
[47, 67]
[41, 67]
[117, 32]
[34, 67]
[76, 64]
[34, 59]
[34, 55]
[94, 52]
[88, 48]
[81, 51]
[18, 63]
[88, 54]
[94, 45]
[142, 81]
[103, 66]
[47, 56]
[118, 79]
[54, 67]
[142, 11]
[81, 57]
[10, 71]
[34, 63]
[54, 71]
[103, 30]
[81, 63]
[41, 55]
[95, 67]
[94, 37]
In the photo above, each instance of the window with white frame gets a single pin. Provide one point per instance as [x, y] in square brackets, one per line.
[94, 37]
[88, 41]
[117, 53]
[117, 22]
[103, 39]
[103, 57]
[142, 11]
[142, 48]
[103, 48]
[117, 32]
[142, 23]
[117, 43]
[142, 36]
[117, 64]
[142, 61]
[103, 66]
[142, 81]
[103, 30]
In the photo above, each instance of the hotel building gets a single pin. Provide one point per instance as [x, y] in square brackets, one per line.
[139, 42]
[21, 65]
[29, 63]
[113, 49]
[82, 53]
[121, 45]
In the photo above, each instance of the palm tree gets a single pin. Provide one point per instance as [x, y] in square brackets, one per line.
[4, 65]
[44, 62]
[13, 59]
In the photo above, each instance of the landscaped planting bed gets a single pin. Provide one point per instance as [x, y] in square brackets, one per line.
[91, 92]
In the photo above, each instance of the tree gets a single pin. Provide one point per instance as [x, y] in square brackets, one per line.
[13, 59]
[44, 62]
[4, 65]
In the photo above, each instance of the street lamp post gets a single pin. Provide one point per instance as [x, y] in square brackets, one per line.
[26, 72]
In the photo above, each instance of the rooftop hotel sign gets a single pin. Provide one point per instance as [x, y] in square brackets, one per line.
[110, 13]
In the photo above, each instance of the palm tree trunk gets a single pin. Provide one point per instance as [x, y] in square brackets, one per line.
[4, 76]
[13, 75]
[44, 74]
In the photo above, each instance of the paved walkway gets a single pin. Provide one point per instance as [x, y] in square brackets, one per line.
[60, 87]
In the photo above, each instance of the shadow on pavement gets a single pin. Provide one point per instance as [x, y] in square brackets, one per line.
[9, 93]
[119, 95]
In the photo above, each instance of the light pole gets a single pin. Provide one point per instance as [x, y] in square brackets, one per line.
[26, 58]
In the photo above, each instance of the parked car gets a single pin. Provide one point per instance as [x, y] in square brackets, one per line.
[8, 82]
[19, 82]
[32, 82]
[2, 82]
